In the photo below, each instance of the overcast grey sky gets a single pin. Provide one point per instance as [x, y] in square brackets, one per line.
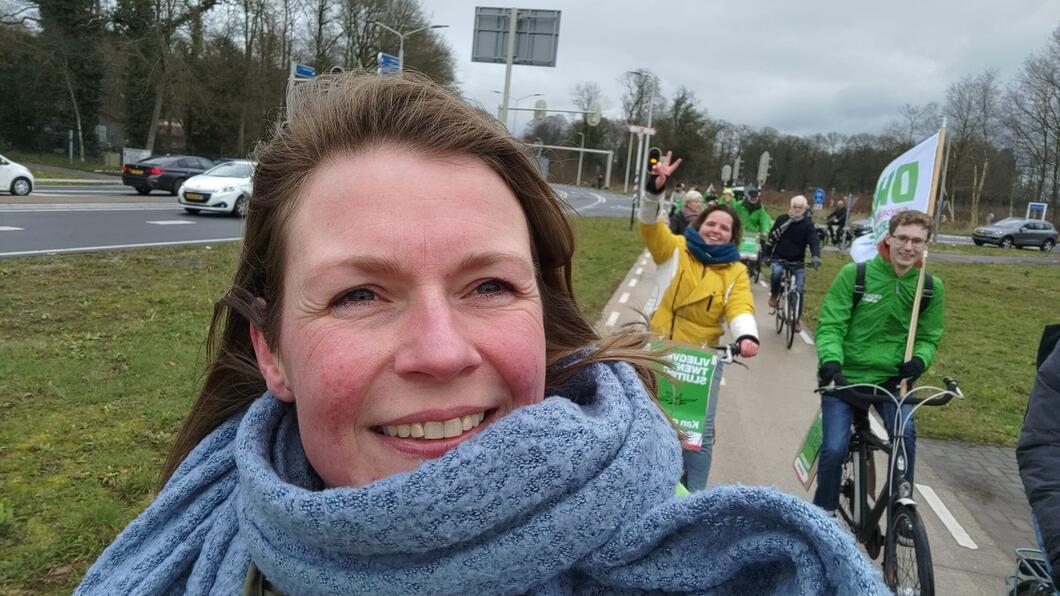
[800, 67]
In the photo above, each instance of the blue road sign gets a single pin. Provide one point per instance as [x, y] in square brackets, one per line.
[818, 196]
[302, 71]
[388, 64]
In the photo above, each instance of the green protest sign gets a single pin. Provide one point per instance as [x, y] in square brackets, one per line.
[749, 247]
[686, 395]
[805, 463]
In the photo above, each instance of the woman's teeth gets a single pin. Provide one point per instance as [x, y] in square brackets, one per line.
[435, 430]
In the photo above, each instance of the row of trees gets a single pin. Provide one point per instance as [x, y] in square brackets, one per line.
[1004, 139]
[196, 75]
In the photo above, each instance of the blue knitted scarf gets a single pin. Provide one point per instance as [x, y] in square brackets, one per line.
[554, 498]
[710, 254]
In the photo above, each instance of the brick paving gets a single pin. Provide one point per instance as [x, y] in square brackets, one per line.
[988, 482]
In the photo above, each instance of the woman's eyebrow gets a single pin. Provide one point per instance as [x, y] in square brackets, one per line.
[366, 264]
[488, 259]
[387, 266]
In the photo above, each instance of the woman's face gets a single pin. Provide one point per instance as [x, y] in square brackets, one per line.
[717, 228]
[411, 317]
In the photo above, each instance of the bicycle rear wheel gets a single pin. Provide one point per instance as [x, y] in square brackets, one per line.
[792, 315]
[907, 556]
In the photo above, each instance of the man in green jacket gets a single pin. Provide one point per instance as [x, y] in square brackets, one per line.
[865, 343]
[753, 216]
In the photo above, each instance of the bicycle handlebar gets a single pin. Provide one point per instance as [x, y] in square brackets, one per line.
[860, 399]
[729, 352]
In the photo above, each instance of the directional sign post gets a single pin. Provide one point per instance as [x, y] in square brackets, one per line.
[514, 36]
[818, 198]
[388, 64]
[299, 73]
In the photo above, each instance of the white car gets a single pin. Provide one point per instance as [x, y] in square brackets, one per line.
[222, 189]
[15, 178]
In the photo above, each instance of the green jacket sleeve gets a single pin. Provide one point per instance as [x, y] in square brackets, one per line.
[833, 320]
[929, 325]
[764, 221]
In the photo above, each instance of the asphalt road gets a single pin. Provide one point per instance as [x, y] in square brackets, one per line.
[58, 219]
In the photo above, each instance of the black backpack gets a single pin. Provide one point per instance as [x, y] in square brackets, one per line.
[859, 290]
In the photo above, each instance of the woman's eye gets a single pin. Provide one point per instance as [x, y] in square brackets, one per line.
[491, 287]
[356, 296]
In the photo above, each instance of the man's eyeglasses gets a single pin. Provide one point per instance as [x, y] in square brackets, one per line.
[902, 240]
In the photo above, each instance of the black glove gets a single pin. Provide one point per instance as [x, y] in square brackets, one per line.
[911, 369]
[828, 372]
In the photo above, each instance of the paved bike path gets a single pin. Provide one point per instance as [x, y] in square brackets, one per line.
[763, 414]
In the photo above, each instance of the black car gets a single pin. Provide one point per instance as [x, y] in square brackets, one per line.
[163, 172]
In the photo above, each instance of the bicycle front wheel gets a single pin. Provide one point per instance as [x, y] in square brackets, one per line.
[907, 556]
[779, 312]
[792, 314]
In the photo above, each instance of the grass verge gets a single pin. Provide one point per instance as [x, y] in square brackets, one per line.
[100, 357]
[994, 319]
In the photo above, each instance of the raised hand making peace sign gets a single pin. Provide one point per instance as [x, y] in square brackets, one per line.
[663, 169]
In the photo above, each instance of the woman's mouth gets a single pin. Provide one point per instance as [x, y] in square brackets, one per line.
[434, 429]
[430, 439]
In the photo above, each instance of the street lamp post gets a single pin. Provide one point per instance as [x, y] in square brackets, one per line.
[401, 38]
[578, 181]
[643, 167]
[515, 117]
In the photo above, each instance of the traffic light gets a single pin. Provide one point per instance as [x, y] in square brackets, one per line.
[654, 155]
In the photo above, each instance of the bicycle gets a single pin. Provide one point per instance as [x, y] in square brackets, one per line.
[751, 257]
[904, 572]
[789, 305]
[1031, 577]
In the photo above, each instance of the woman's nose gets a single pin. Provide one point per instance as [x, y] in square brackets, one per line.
[436, 342]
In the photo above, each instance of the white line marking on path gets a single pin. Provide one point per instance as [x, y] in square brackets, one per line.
[806, 337]
[624, 298]
[722, 383]
[53, 251]
[639, 271]
[79, 207]
[599, 199]
[633, 283]
[169, 222]
[9, 229]
[612, 319]
[947, 518]
[763, 283]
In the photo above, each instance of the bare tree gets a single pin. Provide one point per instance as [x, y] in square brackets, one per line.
[638, 88]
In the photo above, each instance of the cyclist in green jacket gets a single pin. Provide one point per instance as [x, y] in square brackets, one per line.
[753, 216]
[866, 343]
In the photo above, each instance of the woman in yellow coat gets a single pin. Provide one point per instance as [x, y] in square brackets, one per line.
[708, 285]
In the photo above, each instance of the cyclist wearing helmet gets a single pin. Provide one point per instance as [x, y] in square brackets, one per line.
[753, 216]
[726, 197]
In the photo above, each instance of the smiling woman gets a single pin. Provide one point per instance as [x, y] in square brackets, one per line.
[403, 396]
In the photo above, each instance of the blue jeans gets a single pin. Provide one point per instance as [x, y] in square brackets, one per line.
[777, 279]
[697, 463]
[836, 418]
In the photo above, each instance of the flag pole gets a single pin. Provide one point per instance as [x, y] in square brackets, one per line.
[935, 180]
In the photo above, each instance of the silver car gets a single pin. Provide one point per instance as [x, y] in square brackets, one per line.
[1018, 232]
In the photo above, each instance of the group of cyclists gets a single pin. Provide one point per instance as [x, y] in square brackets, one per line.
[862, 325]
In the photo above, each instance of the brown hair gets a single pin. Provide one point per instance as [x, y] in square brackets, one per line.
[347, 113]
[737, 230]
[911, 217]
